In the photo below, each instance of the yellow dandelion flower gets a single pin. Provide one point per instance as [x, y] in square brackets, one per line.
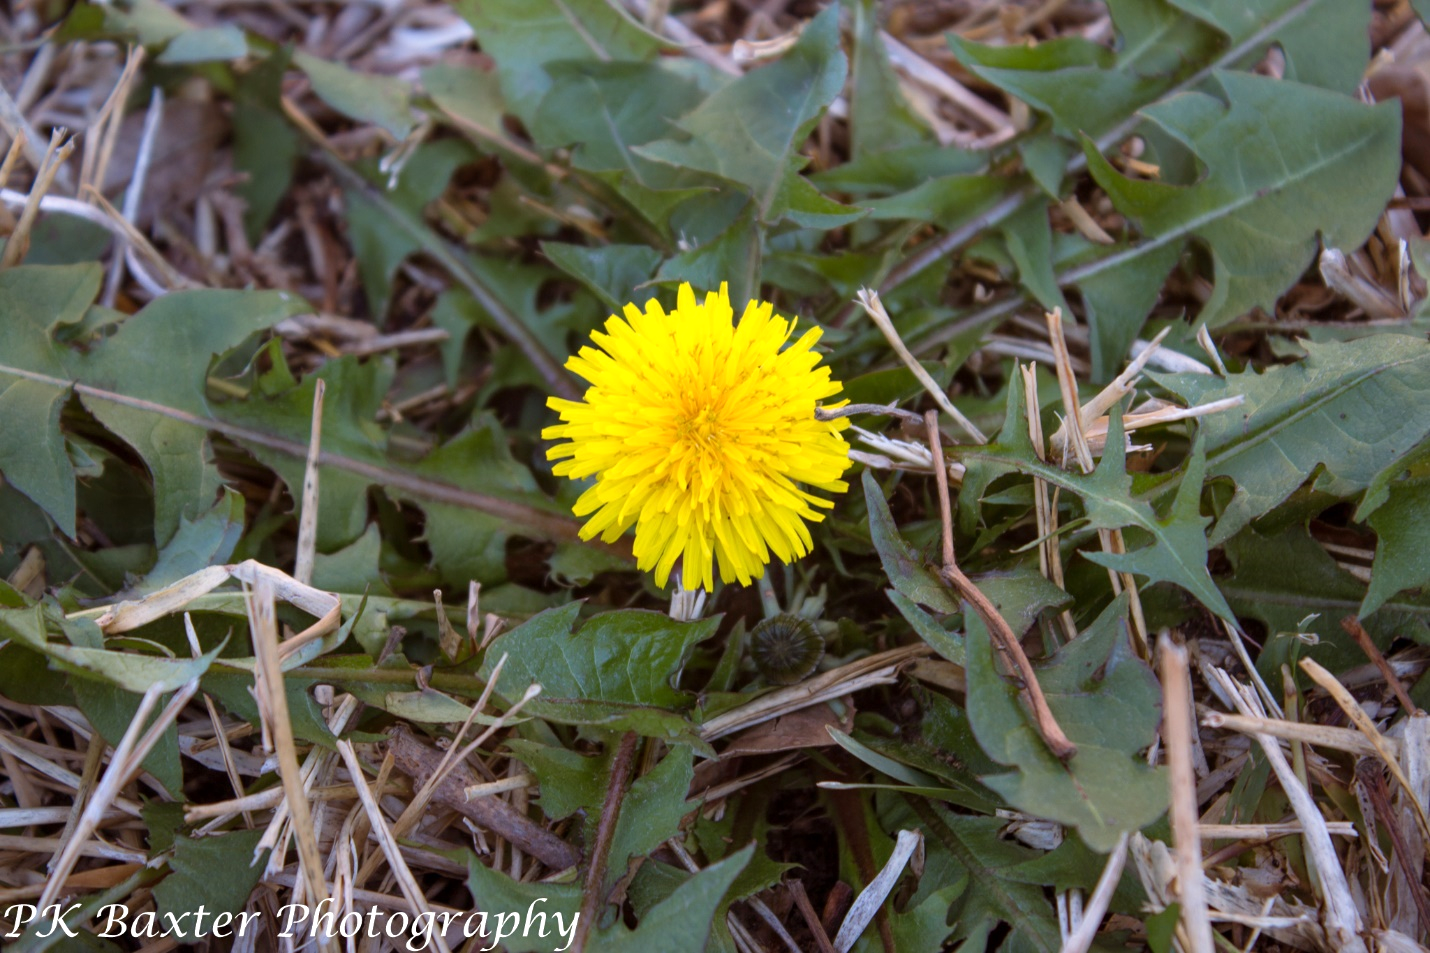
[701, 433]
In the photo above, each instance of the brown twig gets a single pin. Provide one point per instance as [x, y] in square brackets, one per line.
[419, 761]
[1004, 639]
[811, 919]
[1357, 716]
[594, 892]
[1357, 631]
[1379, 794]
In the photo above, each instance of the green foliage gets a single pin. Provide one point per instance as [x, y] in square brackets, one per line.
[1345, 413]
[596, 164]
[1259, 211]
[1110, 704]
[214, 872]
[1402, 559]
[736, 135]
[1178, 551]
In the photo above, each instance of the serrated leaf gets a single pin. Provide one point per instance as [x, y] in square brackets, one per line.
[498, 895]
[365, 97]
[205, 45]
[1277, 157]
[525, 36]
[354, 392]
[942, 641]
[612, 273]
[467, 544]
[1020, 593]
[216, 872]
[978, 854]
[880, 117]
[1351, 408]
[1178, 552]
[36, 300]
[904, 566]
[1402, 551]
[1325, 43]
[266, 147]
[206, 541]
[1180, 556]
[127, 670]
[733, 256]
[111, 710]
[1029, 240]
[1290, 584]
[625, 656]
[380, 248]
[682, 923]
[946, 201]
[1118, 299]
[750, 131]
[138, 361]
[1106, 788]
[1071, 79]
[679, 924]
[604, 109]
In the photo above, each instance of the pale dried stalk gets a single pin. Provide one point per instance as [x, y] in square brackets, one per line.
[82, 847]
[1111, 539]
[1204, 340]
[1269, 831]
[1045, 510]
[272, 797]
[1083, 221]
[454, 754]
[308, 519]
[12, 156]
[1155, 413]
[22, 135]
[314, 765]
[128, 756]
[514, 782]
[139, 243]
[57, 814]
[385, 838]
[1341, 918]
[1177, 731]
[103, 132]
[1080, 940]
[1174, 361]
[873, 896]
[690, 41]
[878, 669]
[220, 735]
[874, 308]
[1379, 742]
[273, 709]
[19, 241]
[128, 615]
[900, 454]
[61, 776]
[1415, 757]
[134, 194]
[1322, 736]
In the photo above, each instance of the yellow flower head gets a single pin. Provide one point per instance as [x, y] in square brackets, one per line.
[699, 431]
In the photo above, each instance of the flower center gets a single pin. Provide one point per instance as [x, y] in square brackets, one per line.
[700, 428]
